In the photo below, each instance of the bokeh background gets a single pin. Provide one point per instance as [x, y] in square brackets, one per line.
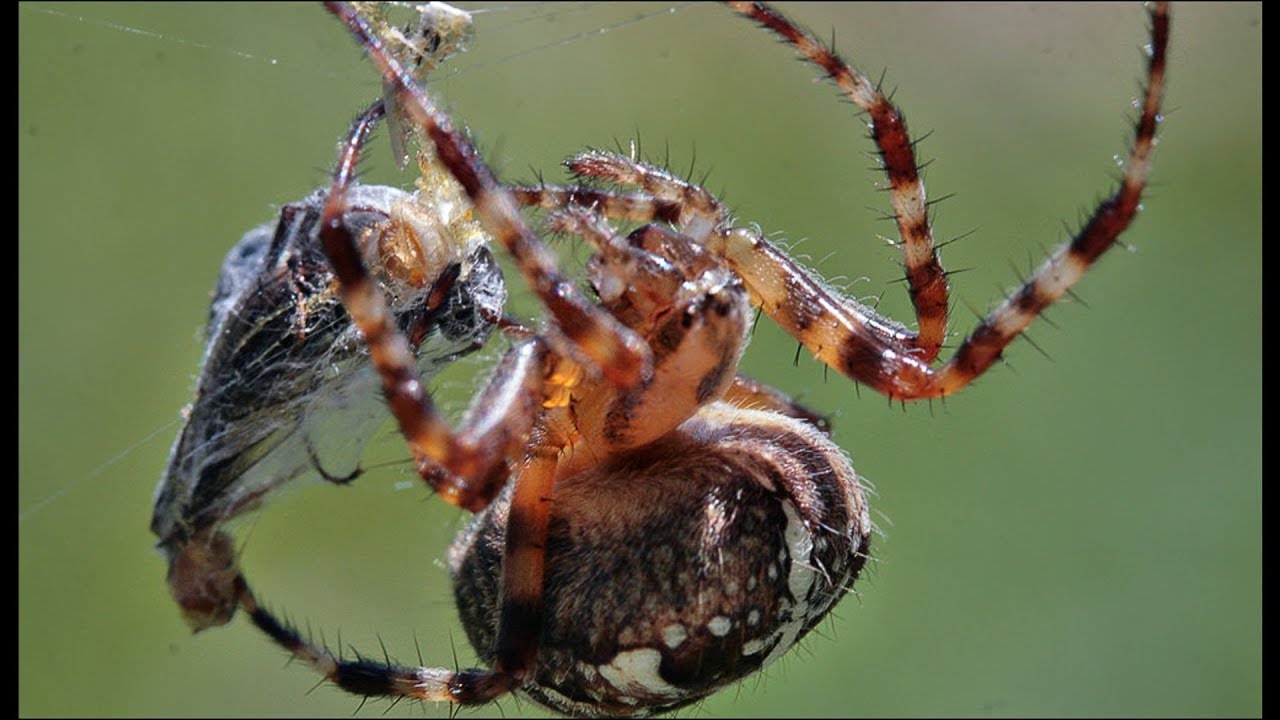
[1079, 534]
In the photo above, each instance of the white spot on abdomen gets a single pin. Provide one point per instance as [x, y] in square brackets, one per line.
[636, 672]
[719, 625]
[674, 634]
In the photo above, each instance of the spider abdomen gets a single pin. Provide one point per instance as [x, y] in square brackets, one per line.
[679, 567]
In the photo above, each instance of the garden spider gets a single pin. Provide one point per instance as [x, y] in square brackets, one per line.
[651, 525]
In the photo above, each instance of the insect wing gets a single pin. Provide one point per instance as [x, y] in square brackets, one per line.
[285, 386]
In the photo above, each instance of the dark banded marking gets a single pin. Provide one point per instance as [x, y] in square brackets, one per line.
[619, 421]
[524, 563]
[713, 382]
[665, 188]
[801, 307]
[618, 206]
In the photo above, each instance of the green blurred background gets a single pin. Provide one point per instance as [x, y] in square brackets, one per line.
[1077, 535]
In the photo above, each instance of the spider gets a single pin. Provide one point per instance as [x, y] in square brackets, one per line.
[651, 525]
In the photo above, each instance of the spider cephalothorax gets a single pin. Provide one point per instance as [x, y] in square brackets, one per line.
[651, 524]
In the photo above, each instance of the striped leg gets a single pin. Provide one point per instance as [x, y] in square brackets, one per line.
[925, 277]
[465, 467]
[632, 207]
[845, 335]
[752, 394]
[519, 627]
[370, 678]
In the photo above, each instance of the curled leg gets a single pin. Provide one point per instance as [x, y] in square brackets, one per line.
[206, 580]
[370, 678]
[519, 626]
